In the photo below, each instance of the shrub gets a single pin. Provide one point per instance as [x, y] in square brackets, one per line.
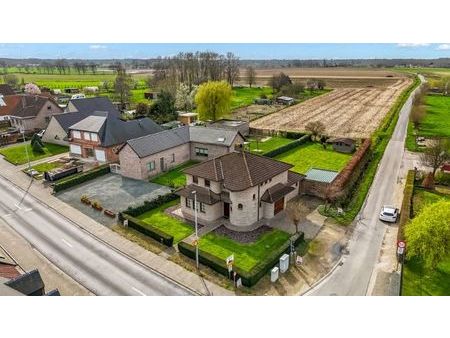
[287, 147]
[37, 148]
[76, 179]
[148, 230]
[249, 278]
[36, 139]
[406, 210]
[443, 178]
[135, 211]
[293, 135]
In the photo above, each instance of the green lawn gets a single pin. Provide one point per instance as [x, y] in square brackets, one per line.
[170, 225]
[418, 281]
[17, 154]
[312, 155]
[437, 118]
[246, 256]
[173, 178]
[244, 96]
[268, 145]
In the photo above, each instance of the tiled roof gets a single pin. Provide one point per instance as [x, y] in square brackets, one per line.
[29, 283]
[294, 177]
[92, 104]
[24, 105]
[275, 192]
[66, 120]
[204, 195]
[8, 271]
[91, 123]
[239, 170]
[5, 89]
[321, 175]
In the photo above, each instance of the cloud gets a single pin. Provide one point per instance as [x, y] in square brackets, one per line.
[98, 47]
[444, 46]
[412, 45]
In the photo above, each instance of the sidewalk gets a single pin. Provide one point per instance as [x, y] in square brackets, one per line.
[153, 261]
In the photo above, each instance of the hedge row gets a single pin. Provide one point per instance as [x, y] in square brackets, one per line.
[148, 230]
[288, 146]
[249, 278]
[406, 210]
[135, 211]
[79, 178]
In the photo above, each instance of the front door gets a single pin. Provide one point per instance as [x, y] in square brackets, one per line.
[279, 206]
[161, 161]
[89, 152]
[226, 210]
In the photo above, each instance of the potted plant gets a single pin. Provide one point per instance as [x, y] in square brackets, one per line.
[85, 199]
[109, 213]
[96, 205]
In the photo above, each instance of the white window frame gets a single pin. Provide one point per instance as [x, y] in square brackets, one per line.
[76, 134]
[151, 166]
[94, 137]
[86, 135]
[72, 146]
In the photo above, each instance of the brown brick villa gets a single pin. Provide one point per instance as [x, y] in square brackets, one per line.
[239, 186]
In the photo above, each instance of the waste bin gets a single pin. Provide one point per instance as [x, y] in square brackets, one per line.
[274, 274]
[284, 263]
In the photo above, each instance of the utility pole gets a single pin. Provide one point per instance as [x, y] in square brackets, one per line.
[196, 228]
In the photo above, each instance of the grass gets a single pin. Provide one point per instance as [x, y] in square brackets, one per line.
[246, 256]
[175, 177]
[47, 166]
[437, 118]
[312, 155]
[244, 96]
[272, 143]
[418, 281]
[170, 225]
[17, 154]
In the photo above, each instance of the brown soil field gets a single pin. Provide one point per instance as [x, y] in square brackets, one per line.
[346, 112]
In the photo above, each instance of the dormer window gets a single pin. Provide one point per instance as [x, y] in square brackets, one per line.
[76, 134]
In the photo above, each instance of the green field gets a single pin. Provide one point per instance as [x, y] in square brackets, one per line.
[246, 256]
[170, 225]
[173, 178]
[17, 154]
[262, 147]
[312, 155]
[437, 118]
[244, 96]
[418, 281]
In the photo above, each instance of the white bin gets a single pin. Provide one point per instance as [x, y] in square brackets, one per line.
[284, 263]
[274, 274]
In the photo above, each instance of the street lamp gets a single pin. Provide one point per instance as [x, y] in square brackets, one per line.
[196, 227]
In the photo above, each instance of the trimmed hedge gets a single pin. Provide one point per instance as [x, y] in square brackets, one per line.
[76, 179]
[249, 278]
[406, 210]
[288, 146]
[148, 205]
[148, 230]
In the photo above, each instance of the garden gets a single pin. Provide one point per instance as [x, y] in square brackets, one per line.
[245, 96]
[313, 155]
[17, 154]
[174, 178]
[262, 145]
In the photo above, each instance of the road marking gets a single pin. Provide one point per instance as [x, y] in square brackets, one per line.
[7, 215]
[27, 209]
[18, 206]
[67, 243]
[138, 291]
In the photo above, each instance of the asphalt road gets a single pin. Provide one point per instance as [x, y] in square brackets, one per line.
[95, 265]
[353, 276]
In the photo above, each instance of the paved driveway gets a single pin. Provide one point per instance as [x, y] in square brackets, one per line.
[114, 192]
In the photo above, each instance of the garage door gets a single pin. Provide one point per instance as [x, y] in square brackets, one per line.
[74, 149]
[100, 155]
[279, 205]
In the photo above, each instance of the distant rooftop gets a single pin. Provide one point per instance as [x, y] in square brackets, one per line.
[321, 175]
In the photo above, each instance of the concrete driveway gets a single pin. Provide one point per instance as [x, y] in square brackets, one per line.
[114, 192]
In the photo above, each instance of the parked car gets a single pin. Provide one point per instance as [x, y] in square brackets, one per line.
[389, 214]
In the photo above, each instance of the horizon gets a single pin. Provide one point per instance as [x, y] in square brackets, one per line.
[245, 51]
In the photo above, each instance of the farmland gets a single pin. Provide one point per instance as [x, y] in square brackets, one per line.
[437, 118]
[350, 112]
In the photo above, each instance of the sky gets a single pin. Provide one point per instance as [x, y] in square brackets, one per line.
[243, 50]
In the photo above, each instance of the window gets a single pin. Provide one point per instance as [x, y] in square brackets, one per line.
[240, 206]
[202, 208]
[201, 152]
[49, 107]
[195, 179]
[94, 137]
[151, 166]
[188, 203]
[207, 183]
[254, 196]
[173, 158]
[87, 136]
[76, 134]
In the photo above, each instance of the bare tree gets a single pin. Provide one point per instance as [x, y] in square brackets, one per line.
[417, 115]
[231, 68]
[316, 128]
[436, 154]
[250, 75]
[123, 85]
[296, 211]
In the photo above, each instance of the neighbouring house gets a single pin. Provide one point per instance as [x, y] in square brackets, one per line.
[446, 168]
[285, 100]
[186, 117]
[28, 112]
[6, 89]
[241, 187]
[317, 182]
[238, 125]
[151, 95]
[343, 145]
[100, 135]
[57, 130]
[27, 284]
[171, 124]
[147, 156]
[90, 105]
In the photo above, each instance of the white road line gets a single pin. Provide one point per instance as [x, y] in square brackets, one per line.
[7, 215]
[18, 206]
[138, 291]
[67, 243]
[27, 209]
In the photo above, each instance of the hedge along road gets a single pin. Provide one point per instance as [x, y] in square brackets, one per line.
[95, 265]
[353, 277]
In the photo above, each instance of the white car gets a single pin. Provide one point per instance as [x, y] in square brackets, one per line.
[389, 214]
